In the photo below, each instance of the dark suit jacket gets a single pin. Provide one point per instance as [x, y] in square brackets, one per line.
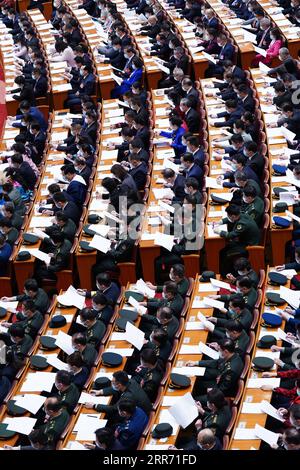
[77, 191]
[192, 120]
[139, 174]
[40, 87]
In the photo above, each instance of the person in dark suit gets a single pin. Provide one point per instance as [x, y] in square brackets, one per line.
[77, 187]
[69, 208]
[191, 116]
[71, 33]
[116, 57]
[152, 29]
[138, 171]
[191, 169]
[37, 143]
[245, 98]
[161, 48]
[254, 159]
[289, 64]
[34, 113]
[263, 36]
[231, 115]
[82, 169]
[59, 248]
[138, 108]
[291, 119]
[190, 92]
[86, 87]
[175, 182]
[24, 89]
[226, 53]
[179, 60]
[209, 19]
[24, 170]
[142, 131]
[206, 440]
[31, 40]
[90, 127]
[236, 71]
[211, 44]
[40, 85]
[282, 95]
[5, 252]
[136, 147]
[193, 146]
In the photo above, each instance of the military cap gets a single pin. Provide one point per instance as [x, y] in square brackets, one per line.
[136, 295]
[266, 341]
[121, 324]
[217, 200]
[38, 362]
[101, 382]
[5, 433]
[48, 342]
[280, 207]
[23, 256]
[88, 231]
[277, 190]
[111, 359]
[85, 246]
[277, 279]
[3, 312]
[162, 430]
[179, 381]
[279, 170]
[30, 238]
[57, 321]
[93, 218]
[269, 319]
[274, 299]
[131, 315]
[263, 363]
[13, 409]
[207, 275]
[281, 222]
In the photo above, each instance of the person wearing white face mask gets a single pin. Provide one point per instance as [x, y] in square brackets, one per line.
[252, 204]
[222, 373]
[242, 267]
[236, 311]
[177, 274]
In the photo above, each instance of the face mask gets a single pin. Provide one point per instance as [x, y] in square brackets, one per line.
[244, 200]
[115, 48]
[126, 56]
[81, 73]
[234, 166]
[133, 67]
[241, 273]
[172, 278]
[298, 392]
[114, 387]
[245, 153]
[232, 312]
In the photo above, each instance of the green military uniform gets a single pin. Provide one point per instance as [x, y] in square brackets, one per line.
[255, 209]
[241, 343]
[176, 304]
[33, 324]
[69, 397]
[61, 257]
[241, 233]
[41, 300]
[150, 322]
[12, 236]
[183, 287]
[249, 298]
[17, 221]
[16, 353]
[221, 374]
[95, 333]
[245, 318]
[217, 420]
[149, 379]
[69, 229]
[54, 427]
[89, 355]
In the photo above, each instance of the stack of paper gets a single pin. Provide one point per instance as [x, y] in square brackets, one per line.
[38, 382]
[64, 342]
[71, 298]
[184, 411]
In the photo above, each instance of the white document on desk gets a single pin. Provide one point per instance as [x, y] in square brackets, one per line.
[125, 352]
[57, 363]
[134, 336]
[212, 183]
[88, 398]
[9, 306]
[289, 135]
[30, 402]
[39, 255]
[100, 243]
[100, 229]
[144, 289]
[245, 434]
[71, 297]
[38, 382]
[64, 342]
[41, 221]
[250, 37]
[20, 425]
[260, 51]
[87, 425]
[213, 303]
[257, 383]
[189, 371]
[271, 411]
[292, 297]
[184, 411]
[209, 57]
[252, 408]
[220, 284]
[164, 240]
[140, 308]
[265, 435]
[194, 326]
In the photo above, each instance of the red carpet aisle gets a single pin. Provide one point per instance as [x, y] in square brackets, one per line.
[3, 112]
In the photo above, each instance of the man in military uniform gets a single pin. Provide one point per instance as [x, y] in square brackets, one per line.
[252, 205]
[55, 422]
[66, 390]
[32, 319]
[64, 224]
[177, 275]
[171, 298]
[121, 387]
[87, 350]
[242, 267]
[222, 373]
[160, 344]
[215, 415]
[236, 311]
[102, 307]
[245, 288]
[148, 375]
[17, 346]
[242, 231]
[164, 319]
[59, 252]
[95, 329]
[32, 292]
[234, 331]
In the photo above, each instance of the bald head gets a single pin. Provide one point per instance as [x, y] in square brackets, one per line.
[206, 438]
[283, 53]
[265, 23]
[152, 20]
